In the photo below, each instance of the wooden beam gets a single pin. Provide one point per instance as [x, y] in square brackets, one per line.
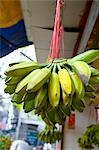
[94, 12]
[82, 25]
[93, 41]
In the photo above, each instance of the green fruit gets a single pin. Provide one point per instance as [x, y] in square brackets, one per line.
[29, 105]
[78, 85]
[18, 98]
[10, 88]
[54, 89]
[90, 94]
[88, 57]
[41, 96]
[13, 80]
[94, 72]
[21, 69]
[38, 80]
[78, 104]
[83, 70]
[24, 82]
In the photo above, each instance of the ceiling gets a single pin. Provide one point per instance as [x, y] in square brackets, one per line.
[39, 20]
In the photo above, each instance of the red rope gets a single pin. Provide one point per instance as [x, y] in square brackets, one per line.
[58, 33]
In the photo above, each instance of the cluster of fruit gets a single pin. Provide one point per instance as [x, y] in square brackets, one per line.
[54, 89]
[50, 135]
[90, 137]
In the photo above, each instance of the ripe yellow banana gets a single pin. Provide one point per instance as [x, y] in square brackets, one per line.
[21, 69]
[65, 81]
[54, 89]
[38, 80]
[83, 70]
[23, 83]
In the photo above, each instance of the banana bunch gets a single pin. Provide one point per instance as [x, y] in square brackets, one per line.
[54, 89]
[90, 137]
[50, 135]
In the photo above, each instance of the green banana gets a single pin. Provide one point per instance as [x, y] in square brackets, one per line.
[38, 80]
[42, 109]
[21, 69]
[46, 119]
[83, 70]
[94, 80]
[94, 72]
[14, 63]
[61, 113]
[17, 98]
[10, 88]
[51, 115]
[90, 94]
[7, 79]
[13, 80]
[50, 118]
[79, 87]
[24, 82]
[90, 137]
[54, 89]
[29, 104]
[28, 96]
[66, 110]
[58, 118]
[89, 88]
[78, 104]
[58, 135]
[88, 57]
[50, 135]
[41, 96]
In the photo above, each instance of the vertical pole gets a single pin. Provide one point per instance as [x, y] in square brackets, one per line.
[93, 14]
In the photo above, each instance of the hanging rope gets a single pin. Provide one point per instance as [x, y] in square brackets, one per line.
[58, 33]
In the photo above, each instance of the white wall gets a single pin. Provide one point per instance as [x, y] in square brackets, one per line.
[84, 119]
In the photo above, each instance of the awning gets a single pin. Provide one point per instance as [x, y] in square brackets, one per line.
[12, 28]
[12, 38]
